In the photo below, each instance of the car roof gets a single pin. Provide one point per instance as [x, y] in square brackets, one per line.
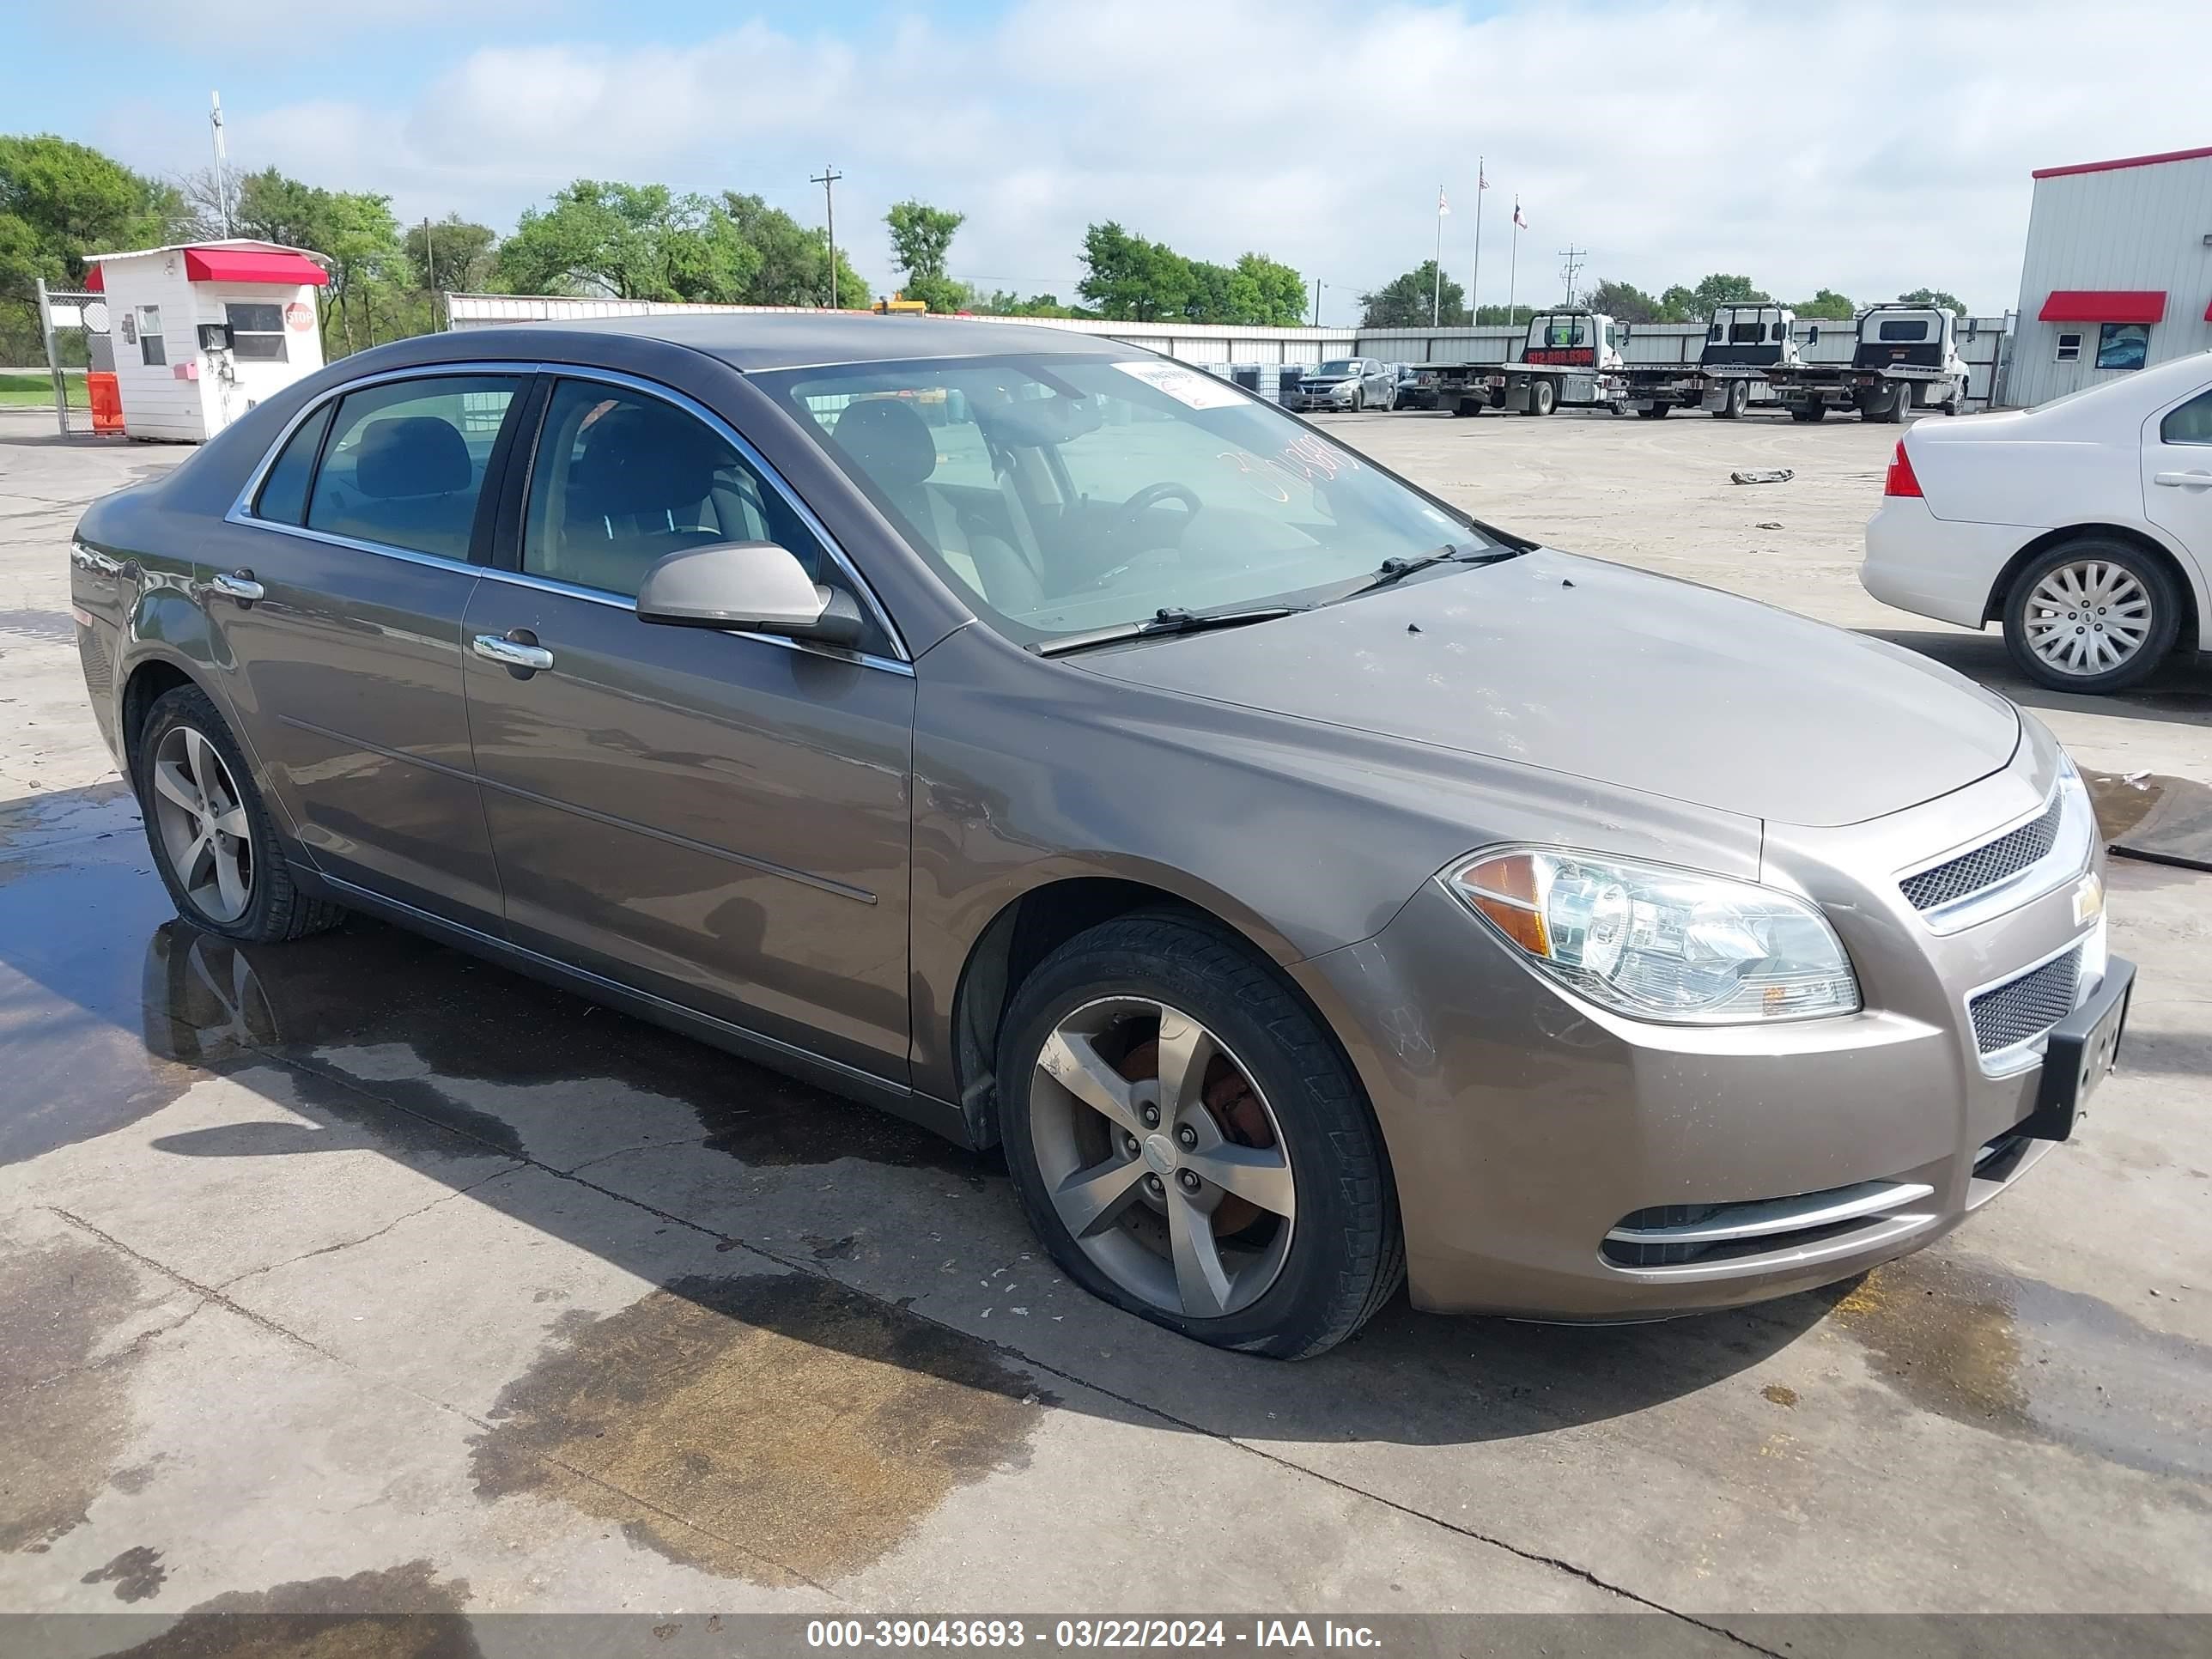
[752, 341]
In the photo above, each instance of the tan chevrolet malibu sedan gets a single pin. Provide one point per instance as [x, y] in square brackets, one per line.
[1310, 888]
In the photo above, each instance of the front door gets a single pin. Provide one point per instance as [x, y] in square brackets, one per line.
[721, 819]
[2177, 476]
[347, 669]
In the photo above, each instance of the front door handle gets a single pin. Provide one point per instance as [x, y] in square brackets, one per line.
[2201, 480]
[517, 650]
[238, 584]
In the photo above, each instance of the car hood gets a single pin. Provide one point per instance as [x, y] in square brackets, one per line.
[1614, 674]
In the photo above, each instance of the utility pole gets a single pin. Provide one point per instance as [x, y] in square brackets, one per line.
[1437, 289]
[1316, 321]
[1574, 255]
[828, 179]
[1474, 278]
[221, 188]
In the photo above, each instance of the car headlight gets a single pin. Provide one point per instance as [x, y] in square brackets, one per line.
[1662, 944]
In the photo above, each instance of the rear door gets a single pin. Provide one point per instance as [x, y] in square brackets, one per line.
[2176, 468]
[719, 819]
[347, 668]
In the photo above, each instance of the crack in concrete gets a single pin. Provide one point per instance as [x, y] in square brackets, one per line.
[513, 1165]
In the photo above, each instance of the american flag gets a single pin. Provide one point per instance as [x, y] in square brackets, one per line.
[1482, 178]
[1517, 219]
[1443, 208]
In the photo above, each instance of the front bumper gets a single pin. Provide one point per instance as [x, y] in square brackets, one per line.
[1524, 1126]
[1338, 400]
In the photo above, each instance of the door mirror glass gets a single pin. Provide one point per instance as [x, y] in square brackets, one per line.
[756, 587]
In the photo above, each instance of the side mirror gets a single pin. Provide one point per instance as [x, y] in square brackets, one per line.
[757, 588]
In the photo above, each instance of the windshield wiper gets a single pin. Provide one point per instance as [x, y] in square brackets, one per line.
[1168, 619]
[1396, 570]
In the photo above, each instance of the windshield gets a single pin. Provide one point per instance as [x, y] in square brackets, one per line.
[1339, 366]
[1064, 493]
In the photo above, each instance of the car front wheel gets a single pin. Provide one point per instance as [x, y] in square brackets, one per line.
[2093, 616]
[212, 838]
[1190, 1146]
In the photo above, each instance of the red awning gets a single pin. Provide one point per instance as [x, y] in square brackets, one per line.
[2104, 305]
[93, 283]
[232, 264]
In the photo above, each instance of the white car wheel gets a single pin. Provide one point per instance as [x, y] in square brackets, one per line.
[2093, 616]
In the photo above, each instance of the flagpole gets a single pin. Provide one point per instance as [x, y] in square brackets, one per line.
[1513, 263]
[1436, 296]
[1474, 280]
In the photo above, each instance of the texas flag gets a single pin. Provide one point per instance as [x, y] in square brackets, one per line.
[1443, 207]
[1517, 219]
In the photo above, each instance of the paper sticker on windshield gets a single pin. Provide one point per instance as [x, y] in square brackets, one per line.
[1186, 385]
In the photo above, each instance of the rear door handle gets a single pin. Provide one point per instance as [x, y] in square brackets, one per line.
[238, 584]
[2201, 480]
[525, 656]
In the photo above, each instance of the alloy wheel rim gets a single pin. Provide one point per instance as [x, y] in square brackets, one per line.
[2088, 618]
[201, 817]
[1162, 1157]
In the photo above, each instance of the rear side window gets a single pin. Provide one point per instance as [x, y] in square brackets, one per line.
[1904, 329]
[405, 462]
[622, 480]
[2192, 423]
[284, 491]
[1747, 333]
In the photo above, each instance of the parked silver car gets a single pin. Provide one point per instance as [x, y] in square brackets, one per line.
[1349, 383]
[1310, 887]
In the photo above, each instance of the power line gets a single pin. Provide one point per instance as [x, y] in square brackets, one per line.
[1574, 257]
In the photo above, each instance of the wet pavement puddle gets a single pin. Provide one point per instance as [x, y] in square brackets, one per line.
[406, 1611]
[773, 1427]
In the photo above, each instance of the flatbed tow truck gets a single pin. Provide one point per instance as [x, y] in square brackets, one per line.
[1573, 358]
[1905, 357]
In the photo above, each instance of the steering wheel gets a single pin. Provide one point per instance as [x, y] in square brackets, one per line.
[1152, 496]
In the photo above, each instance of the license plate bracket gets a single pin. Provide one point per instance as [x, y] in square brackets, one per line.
[2082, 1048]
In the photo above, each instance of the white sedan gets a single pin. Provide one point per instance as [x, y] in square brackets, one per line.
[2084, 525]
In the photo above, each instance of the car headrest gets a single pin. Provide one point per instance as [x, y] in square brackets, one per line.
[890, 442]
[639, 461]
[411, 455]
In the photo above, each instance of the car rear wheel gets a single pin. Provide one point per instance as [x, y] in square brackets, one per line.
[1189, 1144]
[2093, 616]
[213, 840]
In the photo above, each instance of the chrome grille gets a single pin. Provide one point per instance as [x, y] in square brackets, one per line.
[2026, 1007]
[1986, 865]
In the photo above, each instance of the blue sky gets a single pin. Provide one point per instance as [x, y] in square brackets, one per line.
[1896, 154]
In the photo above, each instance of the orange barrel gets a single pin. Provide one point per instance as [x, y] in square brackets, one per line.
[106, 396]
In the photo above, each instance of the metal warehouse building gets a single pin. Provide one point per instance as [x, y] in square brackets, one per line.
[2118, 273]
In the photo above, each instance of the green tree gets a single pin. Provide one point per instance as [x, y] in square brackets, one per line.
[60, 201]
[1624, 303]
[1130, 279]
[1828, 305]
[1404, 301]
[1501, 316]
[922, 237]
[632, 241]
[1004, 302]
[450, 256]
[353, 230]
[1266, 293]
[794, 261]
[1935, 297]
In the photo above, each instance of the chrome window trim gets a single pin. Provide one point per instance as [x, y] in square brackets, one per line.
[760, 463]
[242, 511]
[2071, 853]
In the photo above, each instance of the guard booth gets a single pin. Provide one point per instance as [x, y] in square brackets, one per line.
[202, 331]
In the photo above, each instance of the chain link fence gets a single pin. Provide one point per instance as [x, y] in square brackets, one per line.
[74, 322]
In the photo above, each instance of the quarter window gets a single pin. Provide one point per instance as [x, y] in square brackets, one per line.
[405, 462]
[2192, 423]
[2070, 348]
[284, 491]
[622, 480]
[257, 331]
[153, 349]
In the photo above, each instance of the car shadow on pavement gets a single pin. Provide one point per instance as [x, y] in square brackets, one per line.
[111, 1010]
[2180, 694]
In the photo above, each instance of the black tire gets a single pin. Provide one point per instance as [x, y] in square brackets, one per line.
[1654, 411]
[1541, 397]
[1346, 1254]
[1888, 405]
[276, 909]
[1467, 409]
[1808, 412]
[1733, 400]
[2158, 585]
[1358, 399]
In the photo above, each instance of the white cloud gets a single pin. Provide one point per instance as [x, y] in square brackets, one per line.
[1868, 145]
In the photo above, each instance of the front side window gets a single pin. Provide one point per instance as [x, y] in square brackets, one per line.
[2123, 345]
[622, 480]
[2192, 423]
[283, 498]
[1116, 490]
[153, 349]
[2070, 348]
[405, 462]
[257, 331]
